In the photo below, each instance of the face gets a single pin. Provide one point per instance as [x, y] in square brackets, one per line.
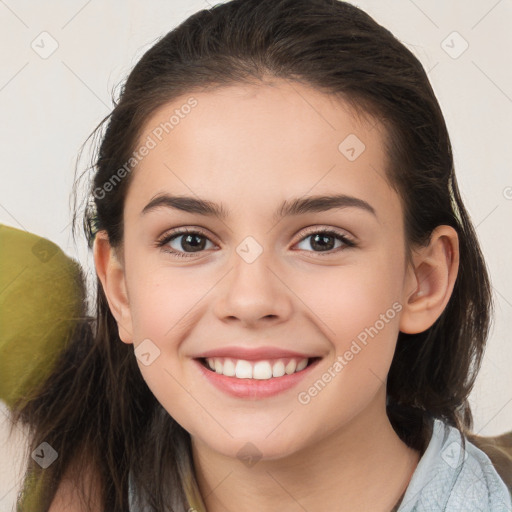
[259, 286]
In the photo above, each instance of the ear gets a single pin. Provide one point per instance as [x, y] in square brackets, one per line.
[430, 281]
[111, 273]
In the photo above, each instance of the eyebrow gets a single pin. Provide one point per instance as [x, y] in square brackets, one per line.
[296, 206]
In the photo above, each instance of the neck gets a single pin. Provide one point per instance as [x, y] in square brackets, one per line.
[362, 466]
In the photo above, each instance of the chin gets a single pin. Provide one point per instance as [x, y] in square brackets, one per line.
[255, 445]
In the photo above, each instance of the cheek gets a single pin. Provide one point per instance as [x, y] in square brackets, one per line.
[359, 311]
[152, 311]
[160, 299]
[346, 300]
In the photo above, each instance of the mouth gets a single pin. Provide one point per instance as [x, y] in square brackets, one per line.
[254, 373]
[255, 379]
[264, 369]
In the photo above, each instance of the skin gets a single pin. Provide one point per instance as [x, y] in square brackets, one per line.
[250, 147]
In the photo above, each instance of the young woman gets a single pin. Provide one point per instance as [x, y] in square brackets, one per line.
[292, 304]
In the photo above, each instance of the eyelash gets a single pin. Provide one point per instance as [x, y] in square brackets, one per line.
[169, 236]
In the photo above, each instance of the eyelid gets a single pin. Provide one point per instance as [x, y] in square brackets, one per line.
[326, 229]
[183, 231]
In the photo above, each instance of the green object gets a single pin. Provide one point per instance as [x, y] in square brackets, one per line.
[41, 297]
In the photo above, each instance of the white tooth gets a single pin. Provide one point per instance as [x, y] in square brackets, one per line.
[243, 369]
[278, 369]
[262, 370]
[218, 365]
[302, 364]
[290, 367]
[211, 363]
[229, 368]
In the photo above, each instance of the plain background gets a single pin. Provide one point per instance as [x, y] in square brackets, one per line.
[50, 105]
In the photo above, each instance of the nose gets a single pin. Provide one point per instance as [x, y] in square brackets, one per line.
[252, 294]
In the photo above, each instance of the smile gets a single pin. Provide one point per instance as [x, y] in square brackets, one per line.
[260, 370]
[255, 379]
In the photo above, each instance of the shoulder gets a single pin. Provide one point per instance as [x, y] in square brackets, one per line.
[499, 451]
[451, 477]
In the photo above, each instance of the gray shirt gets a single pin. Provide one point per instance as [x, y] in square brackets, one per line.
[452, 480]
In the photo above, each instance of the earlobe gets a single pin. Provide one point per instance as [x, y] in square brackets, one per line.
[111, 273]
[430, 283]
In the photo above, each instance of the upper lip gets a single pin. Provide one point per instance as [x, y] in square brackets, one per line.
[249, 354]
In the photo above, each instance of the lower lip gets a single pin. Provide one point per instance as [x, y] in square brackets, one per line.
[254, 388]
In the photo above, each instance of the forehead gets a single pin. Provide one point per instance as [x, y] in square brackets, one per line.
[259, 144]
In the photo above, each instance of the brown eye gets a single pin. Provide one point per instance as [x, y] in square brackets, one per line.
[325, 241]
[190, 242]
[184, 242]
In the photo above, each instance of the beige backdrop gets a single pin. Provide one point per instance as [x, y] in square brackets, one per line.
[60, 61]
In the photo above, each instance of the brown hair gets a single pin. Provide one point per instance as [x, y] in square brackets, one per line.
[96, 409]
